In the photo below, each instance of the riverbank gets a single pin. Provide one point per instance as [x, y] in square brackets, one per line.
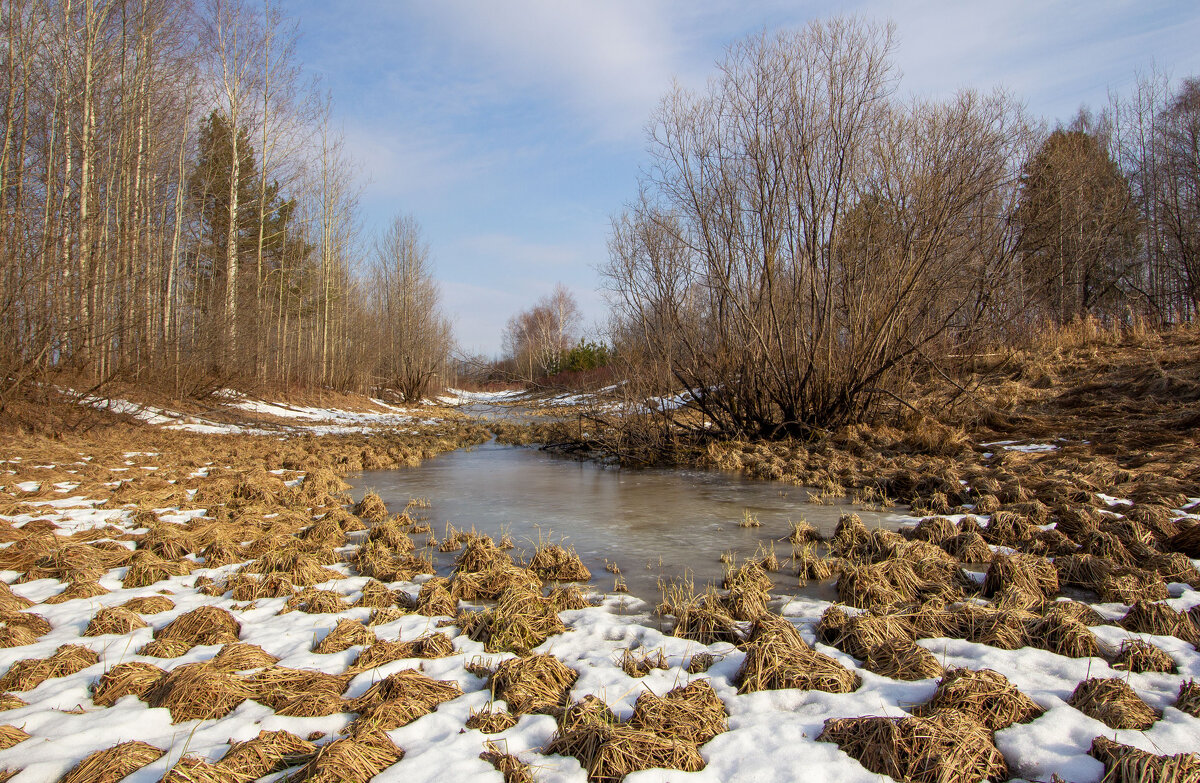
[173, 595]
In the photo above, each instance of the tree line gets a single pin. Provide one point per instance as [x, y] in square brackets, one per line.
[805, 239]
[178, 210]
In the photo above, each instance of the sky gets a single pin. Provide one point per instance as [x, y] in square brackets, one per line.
[514, 130]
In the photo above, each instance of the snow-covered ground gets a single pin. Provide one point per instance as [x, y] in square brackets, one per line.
[771, 734]
[295, 418]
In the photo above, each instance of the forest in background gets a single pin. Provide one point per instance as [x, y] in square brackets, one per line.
[178, 213]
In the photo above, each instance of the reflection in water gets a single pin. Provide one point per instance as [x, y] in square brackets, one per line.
[653, 523]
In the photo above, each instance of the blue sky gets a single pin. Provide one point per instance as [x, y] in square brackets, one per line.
[513, 131]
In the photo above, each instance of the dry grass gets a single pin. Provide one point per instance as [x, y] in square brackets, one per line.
[357, 758]
[535, 683]
[1161, 620]
[434, 598]
[985, 695]
[199, 691]
[115, 620]
[1138, 656]
[1059, 631]
[149, 604]
[569, 597]
[11, 735]
[1126, 764]
[29, 673]
[436, 645]
[1113, 703]
[18, 629]
[279, 686]
[346, 634]
[521, 620]
[87, 589]
[270, 751]
[491, 721]
[692, 712]
[704, 618]
[947, 747]
[699, 663]
[512, 768]
[125, 679]
[112, 764]
[10, 601]
[902, 660]
[556, 563]
[777, 657]
[1006, 629]
[240, 657]
[1028, 573]
[10, 701]
[1188, 699]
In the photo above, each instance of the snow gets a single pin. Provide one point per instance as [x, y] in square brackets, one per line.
[771, 734]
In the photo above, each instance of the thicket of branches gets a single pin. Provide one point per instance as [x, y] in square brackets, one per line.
[805, 239]
[175, 208]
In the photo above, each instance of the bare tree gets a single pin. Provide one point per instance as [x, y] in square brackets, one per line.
[416, 337]
[536, 339]
[801, 237]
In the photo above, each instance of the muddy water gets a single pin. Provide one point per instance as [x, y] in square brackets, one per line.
[654, 524]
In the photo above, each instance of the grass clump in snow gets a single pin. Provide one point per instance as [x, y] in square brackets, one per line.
[512, 768]
[777, 657]
[112, 764]
[985, 695]
[1125, 764]
[946, 747]
[531, 684]
[1114, 703]
[360, 757]
[553, 562]
[18, 629]
[690, 712]
[704, 618]
[29, 673]
[11, 735]
[1139, 656]
[114, 620]
[129, 678]
[491, 721]
[399, 699]
[240, 657]
[521, 620]
[199, 691]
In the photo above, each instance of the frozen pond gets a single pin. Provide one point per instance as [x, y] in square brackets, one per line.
[653, 523]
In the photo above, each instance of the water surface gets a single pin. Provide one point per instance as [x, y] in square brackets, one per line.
[653, 523]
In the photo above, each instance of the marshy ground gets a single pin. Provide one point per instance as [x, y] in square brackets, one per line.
[210, 607]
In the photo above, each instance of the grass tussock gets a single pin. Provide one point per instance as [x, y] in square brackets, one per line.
[10, 701]
[203, 625]
[240, 657]
[360, 757]
[1126, 764]
[125, 679]
[1138, 656]
[491, 721]
[777, 657]
[553, 562]
[1160, 620]
[11, 735]
[114, 620]
[28, 673]
[346, 634]
[508, 765]
[701, 618]
[985, 695]
[521, 620]
[10, 601]
[1114, 703]
[18, 629]
[902, 659]
[112, 764]
[434, 645]
[1061, 632]
[1188, 699]
[149, 604]
[371, 509]
[199, 691]
[86, 589]
[280, 686]
[690, 712]
[946, 747]
[534, 683]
